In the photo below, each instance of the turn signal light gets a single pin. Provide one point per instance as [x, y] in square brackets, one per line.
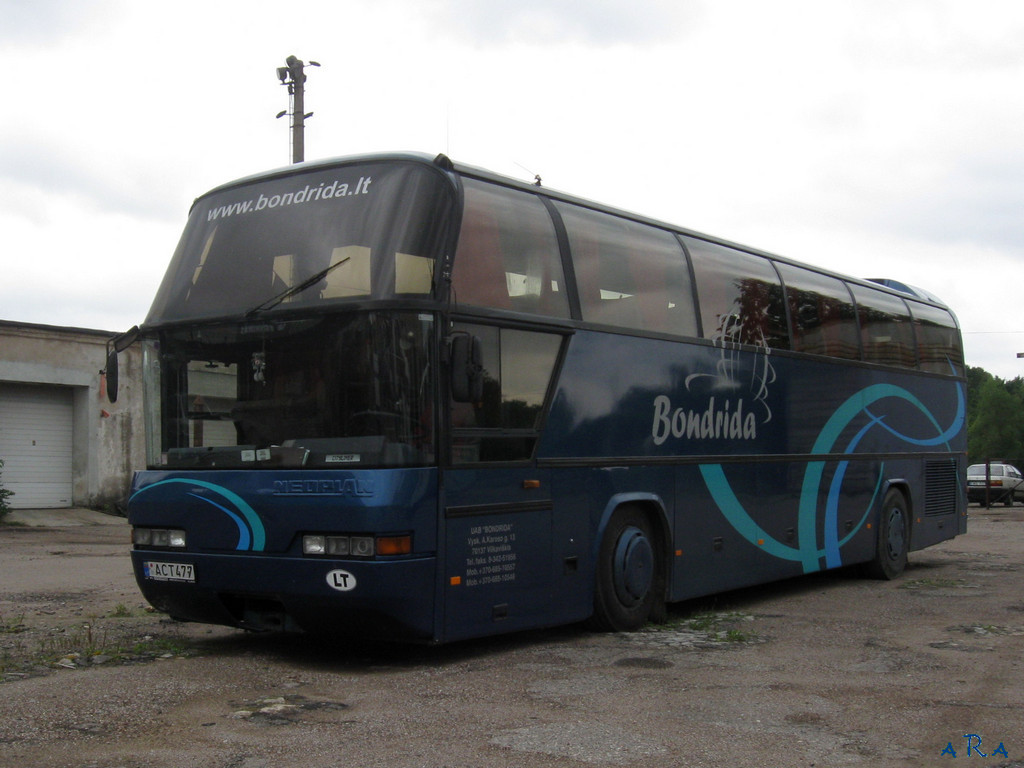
[394, 545]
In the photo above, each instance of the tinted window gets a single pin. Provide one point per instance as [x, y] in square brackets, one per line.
[886, 332]
[353, 389]
[629, 274]
[740, 296]
[822, 313]
[938, 340]
[508, 257]
[308, 238]
[504, 426]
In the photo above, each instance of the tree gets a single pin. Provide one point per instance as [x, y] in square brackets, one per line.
[1016, 388]
[996, 426]
[975, 378]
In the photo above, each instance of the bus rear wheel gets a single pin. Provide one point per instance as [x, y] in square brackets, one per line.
[629, 581]
[893, 538]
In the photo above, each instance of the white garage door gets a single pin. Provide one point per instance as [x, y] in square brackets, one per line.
[35, 445]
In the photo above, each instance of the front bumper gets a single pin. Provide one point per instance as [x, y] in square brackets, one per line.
[387, 599]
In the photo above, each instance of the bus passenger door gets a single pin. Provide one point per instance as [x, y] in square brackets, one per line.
[500, 571]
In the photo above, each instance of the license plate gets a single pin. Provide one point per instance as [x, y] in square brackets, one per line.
[975, 482]
[169, 571]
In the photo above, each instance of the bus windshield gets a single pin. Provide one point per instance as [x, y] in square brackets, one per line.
[303, 239]
[339, 391]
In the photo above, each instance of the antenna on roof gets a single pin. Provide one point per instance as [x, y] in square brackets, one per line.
[536, 176]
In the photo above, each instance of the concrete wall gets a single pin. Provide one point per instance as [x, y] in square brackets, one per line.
[108, 438]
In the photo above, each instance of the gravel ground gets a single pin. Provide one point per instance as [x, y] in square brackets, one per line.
[826, 670]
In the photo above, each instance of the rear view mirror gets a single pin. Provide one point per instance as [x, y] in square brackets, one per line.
[117, 344]
[111, 371]
[467, 369]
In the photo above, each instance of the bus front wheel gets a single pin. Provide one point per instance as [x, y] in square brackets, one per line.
[893, 538]
[629, 583]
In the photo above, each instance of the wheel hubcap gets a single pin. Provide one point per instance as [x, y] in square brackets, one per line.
[634, 566]
[897, 540]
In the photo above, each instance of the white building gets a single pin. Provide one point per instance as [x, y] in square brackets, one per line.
[62, 442]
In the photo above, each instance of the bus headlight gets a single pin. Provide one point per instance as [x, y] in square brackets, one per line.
[324, 545]
[161, 538]
[314, 545]
[361, 546]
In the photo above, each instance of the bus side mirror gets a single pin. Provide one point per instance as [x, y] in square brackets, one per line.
[117, 344]
[111, 372]
[467, 369]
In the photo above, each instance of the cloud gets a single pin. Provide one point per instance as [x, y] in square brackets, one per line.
[860, 135]
[946, 35]
[77, 266]
[33, 170]
[597, 22]
[977, 200]
[33, 21]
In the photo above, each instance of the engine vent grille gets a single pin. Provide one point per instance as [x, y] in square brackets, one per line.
[941, 487]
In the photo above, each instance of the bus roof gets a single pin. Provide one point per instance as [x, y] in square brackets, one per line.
[454, 169]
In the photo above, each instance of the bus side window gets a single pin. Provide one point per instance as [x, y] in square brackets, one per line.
[740, 296]
[822, 313]
[938, 343]
[886, 331]
[518, 366]
[507, 256]
[629, 275]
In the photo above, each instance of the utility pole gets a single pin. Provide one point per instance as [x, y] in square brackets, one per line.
[294, 77]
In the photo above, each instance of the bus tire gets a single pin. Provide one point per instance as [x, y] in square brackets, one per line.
[629, 581]
[893, 538]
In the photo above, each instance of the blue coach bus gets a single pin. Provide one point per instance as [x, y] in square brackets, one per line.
[399, 397]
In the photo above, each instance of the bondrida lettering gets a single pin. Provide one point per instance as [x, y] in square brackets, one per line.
[308, 194]
[719, 421]
[311, 194]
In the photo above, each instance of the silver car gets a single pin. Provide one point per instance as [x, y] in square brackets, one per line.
[1006, 484]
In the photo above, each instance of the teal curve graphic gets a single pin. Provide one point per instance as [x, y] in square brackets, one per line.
[252, 536]
[807, 551]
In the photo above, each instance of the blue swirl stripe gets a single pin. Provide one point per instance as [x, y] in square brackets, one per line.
[732, 509]
[244, 536]
[807, 551]
[252, 535]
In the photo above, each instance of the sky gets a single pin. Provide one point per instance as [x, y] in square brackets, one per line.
[876, 138]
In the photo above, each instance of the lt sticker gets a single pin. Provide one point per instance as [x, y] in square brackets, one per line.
[343, 581]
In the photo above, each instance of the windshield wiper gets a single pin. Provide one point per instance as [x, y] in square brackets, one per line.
[287, 293]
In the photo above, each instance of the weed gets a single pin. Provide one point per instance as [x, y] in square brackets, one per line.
[12, 626]
[98, 641]
[711, 627]
[5, 494]
[934, 583]
[703, 622]
[161, 646]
